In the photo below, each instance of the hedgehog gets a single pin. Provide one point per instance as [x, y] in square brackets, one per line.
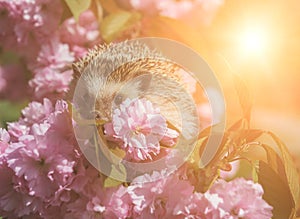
[113, 72]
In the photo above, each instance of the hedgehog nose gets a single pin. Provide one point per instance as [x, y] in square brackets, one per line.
[99, 118]
[101, 121]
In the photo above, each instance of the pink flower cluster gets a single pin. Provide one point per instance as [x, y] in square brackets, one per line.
[27, 24]
[31, 29]
[37, 159]
[44, 175]
[139, 128]
[171, 197]
[189, 10]
[13, 84]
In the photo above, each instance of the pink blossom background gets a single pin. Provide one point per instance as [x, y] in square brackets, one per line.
[43, 173]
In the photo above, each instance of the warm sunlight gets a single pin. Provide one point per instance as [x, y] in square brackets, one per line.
[253, 41]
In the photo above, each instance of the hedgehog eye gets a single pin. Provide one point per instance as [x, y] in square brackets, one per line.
[118, 99]
[86, 97]
[96, 114]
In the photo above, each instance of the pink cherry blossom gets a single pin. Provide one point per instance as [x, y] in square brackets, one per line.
[43, 173]
[4, 139]
[9, 16]
[205, 114]
[169, 138]
[201, 10]
[112, 203]
[51, 83]
[52, 73]
[156, 195]
[95, 206]
[53, 54]
[36, 111]
[140, 127]
[30, 29]
[119, 203]
[38, 156]
[42, 157]
[82, 34]
[13, 83]
[27, 24]
[15, 200]
[242, 199]
[199, 205]
[235, 165]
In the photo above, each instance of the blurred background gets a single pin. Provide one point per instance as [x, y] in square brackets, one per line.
[260, 41]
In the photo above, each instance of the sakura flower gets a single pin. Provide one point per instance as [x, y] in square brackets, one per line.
[52, 73]
[205, 114]
[140, 127]
[77, 199]
[189, 80]
[36, 111]
[96, 206]
[41, 158]
[49, 82]
[201, 10]
[169, 137]
[8, 17]
[28, 24]
[4, 139]
[82, 34]
[156, 195]
[14, 198]
[119, 203]
[199, 205]
[17, 129]
[54, 54]
[35, 14]
[13, 83]
[242, 199]
[40, 161]
[234, 167]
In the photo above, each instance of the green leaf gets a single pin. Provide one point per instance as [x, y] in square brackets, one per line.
[198, 150]
[114, 24]
[290, 168]
[201, 145]
[109, 182]
[10, 111]
[109, 6]
[97, 8]
[217, 149]
[237, 125]
[175, 29]
[251, 134]
[245, 135]
[274, 161]
[276, 192]
[255, 167]
[245, 98]
[117, 176]
[118, 173]
[78, 6]
[8, 57]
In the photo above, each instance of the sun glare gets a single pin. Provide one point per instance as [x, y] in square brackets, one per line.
[253, 42]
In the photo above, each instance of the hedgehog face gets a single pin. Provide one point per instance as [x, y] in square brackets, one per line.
[112, 94]
[107, 98]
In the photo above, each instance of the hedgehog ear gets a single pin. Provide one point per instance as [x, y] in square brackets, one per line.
[137, 86]
[142, 82]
